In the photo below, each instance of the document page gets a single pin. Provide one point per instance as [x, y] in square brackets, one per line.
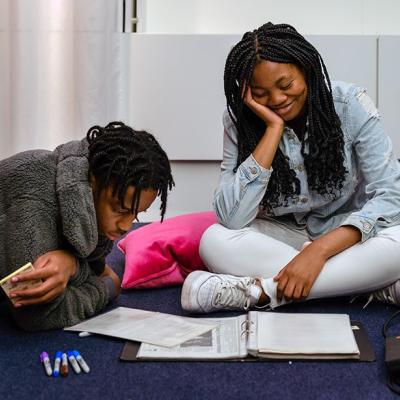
[307, 335]
[223, 342]
[145, 326]
[252, 334]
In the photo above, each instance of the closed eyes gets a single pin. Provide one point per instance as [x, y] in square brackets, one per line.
[263, 94]
[287, 86]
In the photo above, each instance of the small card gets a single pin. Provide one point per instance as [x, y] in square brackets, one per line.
[8, 286]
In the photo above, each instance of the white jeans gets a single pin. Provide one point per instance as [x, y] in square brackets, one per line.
[266, 246]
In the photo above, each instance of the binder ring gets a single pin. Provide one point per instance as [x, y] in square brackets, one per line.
[245, 327]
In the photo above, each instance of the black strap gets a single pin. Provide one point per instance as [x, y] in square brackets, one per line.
[392, 382]
[387, 322]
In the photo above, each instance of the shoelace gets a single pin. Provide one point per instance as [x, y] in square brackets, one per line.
[234, 294]
[386, 295]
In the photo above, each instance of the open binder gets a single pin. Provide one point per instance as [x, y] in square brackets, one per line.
[261, 336]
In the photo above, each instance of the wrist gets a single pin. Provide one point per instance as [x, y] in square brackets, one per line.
[275, 129]
[74, 267]
[111, 288]
[112, 282]
[319, 250]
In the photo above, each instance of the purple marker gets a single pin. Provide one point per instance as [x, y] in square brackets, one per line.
[44, 358]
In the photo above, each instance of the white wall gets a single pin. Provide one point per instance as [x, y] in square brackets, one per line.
[389, 87]
[195, 182]
[338, 17]
[176, 91]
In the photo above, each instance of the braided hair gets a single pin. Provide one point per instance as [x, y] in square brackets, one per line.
[120, 157]
[323, 146]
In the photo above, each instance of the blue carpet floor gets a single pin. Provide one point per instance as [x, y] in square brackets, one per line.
[23, 377]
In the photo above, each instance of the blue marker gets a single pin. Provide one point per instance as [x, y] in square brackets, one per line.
[81, 361]
[57, 364]
[73, 362]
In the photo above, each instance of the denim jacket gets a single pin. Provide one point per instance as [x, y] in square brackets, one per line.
[370, 197]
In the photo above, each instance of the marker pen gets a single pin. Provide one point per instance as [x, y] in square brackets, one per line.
[44, 358]
[81, 361]
[73, 362]
[84, 334]
[57, 363]
[64, 365]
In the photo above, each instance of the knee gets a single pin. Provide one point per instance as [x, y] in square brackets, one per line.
[392, 233]
[215, 246]
[208, 242]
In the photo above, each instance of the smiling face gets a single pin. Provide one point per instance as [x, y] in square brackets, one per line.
[112, 219]
[280, 87]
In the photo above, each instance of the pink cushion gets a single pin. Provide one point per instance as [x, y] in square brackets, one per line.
[163, 254]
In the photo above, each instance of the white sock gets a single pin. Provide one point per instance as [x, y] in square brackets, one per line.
[255, 294]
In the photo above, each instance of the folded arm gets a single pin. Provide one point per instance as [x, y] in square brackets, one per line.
[70, 291]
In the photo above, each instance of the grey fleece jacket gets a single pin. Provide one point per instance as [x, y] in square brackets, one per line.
[46, 203]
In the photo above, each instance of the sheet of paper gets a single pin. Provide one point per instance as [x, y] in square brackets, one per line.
[289, 333]
[223, 342]
[145, 326]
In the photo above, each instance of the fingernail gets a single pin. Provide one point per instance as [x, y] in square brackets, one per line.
[14, 279]
[17, 305]
[12, 295]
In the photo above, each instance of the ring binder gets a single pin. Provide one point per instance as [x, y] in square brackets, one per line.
[252, 348]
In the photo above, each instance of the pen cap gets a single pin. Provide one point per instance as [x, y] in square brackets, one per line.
[59, 354]
[43, 355]
[70, 353]
[76, 353]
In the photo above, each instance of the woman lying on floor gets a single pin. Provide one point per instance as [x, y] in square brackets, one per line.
[62, 210]
[309, 195]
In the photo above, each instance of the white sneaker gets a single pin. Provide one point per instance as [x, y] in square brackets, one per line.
[206, 292]
[390, 294]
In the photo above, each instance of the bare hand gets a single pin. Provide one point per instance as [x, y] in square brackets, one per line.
[270, 118]
[55, 269]
[296, 279]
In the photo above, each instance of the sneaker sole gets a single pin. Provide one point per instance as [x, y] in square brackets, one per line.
[189, 289]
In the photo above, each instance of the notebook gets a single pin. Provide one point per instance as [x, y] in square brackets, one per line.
[266, 335]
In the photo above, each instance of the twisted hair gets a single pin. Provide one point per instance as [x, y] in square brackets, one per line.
[322, 147]
[120, 157]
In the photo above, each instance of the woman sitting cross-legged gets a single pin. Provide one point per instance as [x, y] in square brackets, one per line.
[309, 195]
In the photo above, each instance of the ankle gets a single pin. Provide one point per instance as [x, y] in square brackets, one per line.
[263, 299]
